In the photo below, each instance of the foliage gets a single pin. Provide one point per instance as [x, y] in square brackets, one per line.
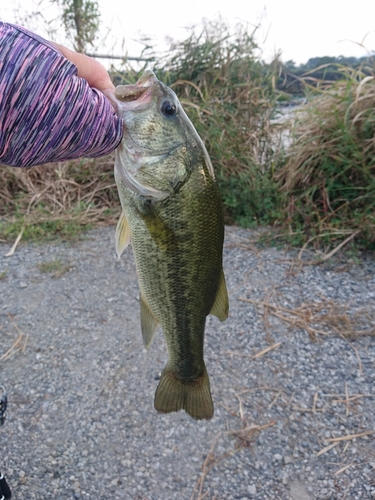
[329, 175]
[57, 199]
[228, 94]
[321, 189]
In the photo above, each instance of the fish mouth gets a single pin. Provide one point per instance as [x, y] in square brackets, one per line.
[136, 96]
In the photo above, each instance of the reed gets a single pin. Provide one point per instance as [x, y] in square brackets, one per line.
[329, 174]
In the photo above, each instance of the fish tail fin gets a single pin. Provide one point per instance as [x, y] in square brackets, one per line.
[173, 394]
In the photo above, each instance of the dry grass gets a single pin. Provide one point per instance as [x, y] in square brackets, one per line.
[245, 436]
[19, 345]
[329, 174]
[59, 195]
[319, 126]
[318, 318]
[227, 92]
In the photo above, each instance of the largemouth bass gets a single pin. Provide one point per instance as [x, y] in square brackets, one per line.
[172, 214]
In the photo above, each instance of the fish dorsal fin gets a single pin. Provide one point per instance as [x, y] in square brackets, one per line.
[220, 308]
[122, 234]
[149, 323]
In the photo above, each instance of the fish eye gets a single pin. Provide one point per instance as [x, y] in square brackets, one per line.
[168, 108]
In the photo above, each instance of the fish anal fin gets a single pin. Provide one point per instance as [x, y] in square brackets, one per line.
[149, 323]
[122, 235]
[220, 308]
[173, 394]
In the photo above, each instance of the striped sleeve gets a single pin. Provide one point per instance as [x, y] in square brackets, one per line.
[48, 113]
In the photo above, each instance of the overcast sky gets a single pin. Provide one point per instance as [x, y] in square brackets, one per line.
[298, 29]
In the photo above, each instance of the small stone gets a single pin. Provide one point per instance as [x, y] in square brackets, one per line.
[288, 459]
[251, 489]
[278, 457]
[23, 284]
[76, 486]
[298, 491]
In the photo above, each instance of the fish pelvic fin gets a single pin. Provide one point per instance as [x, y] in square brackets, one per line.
[220, 309]
[122, 234]
[173, 394]
[149, 323]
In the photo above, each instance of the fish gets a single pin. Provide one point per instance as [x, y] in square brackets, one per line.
[173, 217]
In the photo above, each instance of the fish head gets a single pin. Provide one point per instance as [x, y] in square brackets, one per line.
[155, 128]
[151, 113]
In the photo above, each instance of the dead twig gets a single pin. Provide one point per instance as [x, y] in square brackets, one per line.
[18, 345]
[343, 469]
[15, 244]
[350, 437]
[244, 438]
[320, 318]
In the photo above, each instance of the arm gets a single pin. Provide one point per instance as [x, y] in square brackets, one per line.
[48, 110]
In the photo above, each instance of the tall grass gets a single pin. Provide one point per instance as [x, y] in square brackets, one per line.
[59, 198]
[228, 93]
[329, 175]
[320, 191]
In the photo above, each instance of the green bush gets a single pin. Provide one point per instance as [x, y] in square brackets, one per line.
[320, 191]
[228, 94]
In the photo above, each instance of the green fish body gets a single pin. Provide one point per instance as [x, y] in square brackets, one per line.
[172, 215]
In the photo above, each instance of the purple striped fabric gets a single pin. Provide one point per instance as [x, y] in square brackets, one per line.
[48, 113]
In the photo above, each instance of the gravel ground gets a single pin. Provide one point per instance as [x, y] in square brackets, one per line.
[81, 423]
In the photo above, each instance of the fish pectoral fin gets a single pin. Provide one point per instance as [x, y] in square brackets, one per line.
[173, 394]
[161, 233]
[122, 235]
[149, 323]
[220, 308]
